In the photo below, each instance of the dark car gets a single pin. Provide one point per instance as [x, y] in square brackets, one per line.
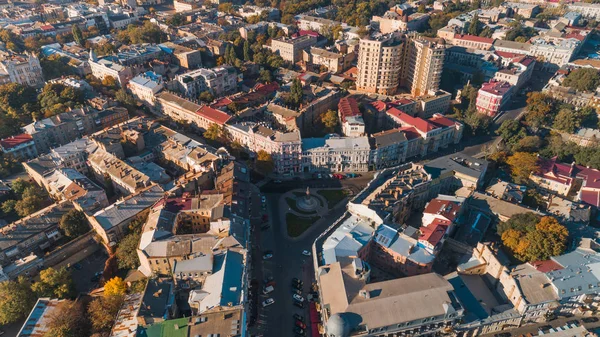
[574, 321]
[590, 319]
[299, 304]
[301, 325]
[96, 277]
[299, 330]
[298, 318]
[77, 266]
[297, 286]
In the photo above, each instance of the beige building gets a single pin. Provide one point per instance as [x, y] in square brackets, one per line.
[423, 69]
[335, 62]
[186, 57]
[24, 69]
[379, 64]
[123, 177]
[291, 49]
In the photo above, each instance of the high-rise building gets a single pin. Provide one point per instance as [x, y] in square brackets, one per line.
[379, 64]
[386, 62]
[423, 67]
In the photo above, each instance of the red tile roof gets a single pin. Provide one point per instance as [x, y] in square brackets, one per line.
[379, 105]
[441, 121]
[525, 60]
[474, 38]
[410, 132]
[546, 266]
[407, 120]
[213, 115]
[446, 208]
[308, 32]
[590, 197]
[221, 103]
[507, 55]
[435, 232]
[348, 107]
[10, 142]
[496, 87]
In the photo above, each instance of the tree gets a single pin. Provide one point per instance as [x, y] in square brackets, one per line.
[583, 79]
[226, 7]
[74, 223]
[16, 300]
[247, 51]
[31, 201]
[20, 185]
[77, 35]
[123, 97]
[531, 238]
[422, 8]
[330, 120]
[127, 257]
[214, 133]
[566, 121]
[264, 162]
[206, 97]
[523, 222]
[8, 207]
[475, 26]
[539, 107]
[296, 93]
[265, 76]
[115, 287]
[522, 164]
[511, 132]
[102, 312]
[68, 320]
[55, 283]
[109, 81]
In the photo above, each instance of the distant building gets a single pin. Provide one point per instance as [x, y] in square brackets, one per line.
[218, 81]
[186, 57]
[109, 66]
[291, 49]
[350, 117]
[20, 146]
[335, 154]
[123, 177]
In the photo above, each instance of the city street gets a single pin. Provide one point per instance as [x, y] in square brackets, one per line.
[288, 262]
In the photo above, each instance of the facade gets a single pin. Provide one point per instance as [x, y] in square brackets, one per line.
[379, 62]
[109, 66]
[22, 69]
[291, 49]
[20, 146]
[218, 81]
[350, 117]
[335, 62]
[145, 87]
[493, 96]
[335, 154]
[388, 148]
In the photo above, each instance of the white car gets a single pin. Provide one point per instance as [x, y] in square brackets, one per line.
[268, 302]
[306, 253]
[298, 298]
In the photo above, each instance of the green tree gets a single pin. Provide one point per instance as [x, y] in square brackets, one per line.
[77, 35]
[31, 201]
[511, 132]
[522, 164]
[528, 144]
[102, 312]
[8, 207]
[206, 97]
[330, 120]
[539, 108]
[296, 93]
[55, 283]
[524, 222]
[247, 51]
[214, 133]
[16, 300]
[422, 8]
[123, 97]
[583, 79]
[68, 320]
[538, 241]
[127, 257]
[115, 287]
[566, 121]
[74, 223]
[109, 81]
[20, 185]
[475, 26]
[264, 162]
[265, 76]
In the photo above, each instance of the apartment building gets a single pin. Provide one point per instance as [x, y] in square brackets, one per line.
[199, 116]
[20, 146]
[123, 177]
[145, 86]
[472, 41]
[493, 96]
[423, 68]
[24, 69]
[335, 62]
[69, 184]
[350, 117]
[388, 148]
[109, 66]
[290, 49]
[218, 81]
[185, 57]
[335, 154]
[380, 59]
[517, 72]
[285, 148]
[589, 10]
[392, 21]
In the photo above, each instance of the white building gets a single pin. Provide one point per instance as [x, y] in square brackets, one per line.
[109, 66]
[145, 86]
[336, 154]
[23, 69]
[218, 81]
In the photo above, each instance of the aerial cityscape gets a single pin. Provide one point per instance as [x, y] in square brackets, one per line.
[334, 168]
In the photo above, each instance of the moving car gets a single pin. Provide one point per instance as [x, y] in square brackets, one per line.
[268, 302]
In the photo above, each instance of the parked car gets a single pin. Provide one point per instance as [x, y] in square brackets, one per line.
[299, 330]
[263, 199]
[298, 298]
[268, 302]
[574, 321]
[301, 325]
[298, 318]
[77, 266]
[96, 277]
[267, 256]
[306, 253]
[297, 292]
[299, 304]
[265, 227]
[268, 289]
[295, 280]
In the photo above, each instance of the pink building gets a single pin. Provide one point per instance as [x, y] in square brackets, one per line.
[492, 96]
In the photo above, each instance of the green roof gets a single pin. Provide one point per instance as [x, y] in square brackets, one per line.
[166, 329]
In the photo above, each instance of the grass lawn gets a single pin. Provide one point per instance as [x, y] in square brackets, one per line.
[333, 196]
[292, 204]
[296, 225]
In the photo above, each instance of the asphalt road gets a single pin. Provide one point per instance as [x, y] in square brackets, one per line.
[288, 262]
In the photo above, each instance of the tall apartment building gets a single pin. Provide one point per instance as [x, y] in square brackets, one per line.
[423, 67]
[386, 62]
[379, 64]
[291, 49]
[23, 69]
[218, 81]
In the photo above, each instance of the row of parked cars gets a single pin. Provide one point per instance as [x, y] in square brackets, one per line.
[338, 176]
